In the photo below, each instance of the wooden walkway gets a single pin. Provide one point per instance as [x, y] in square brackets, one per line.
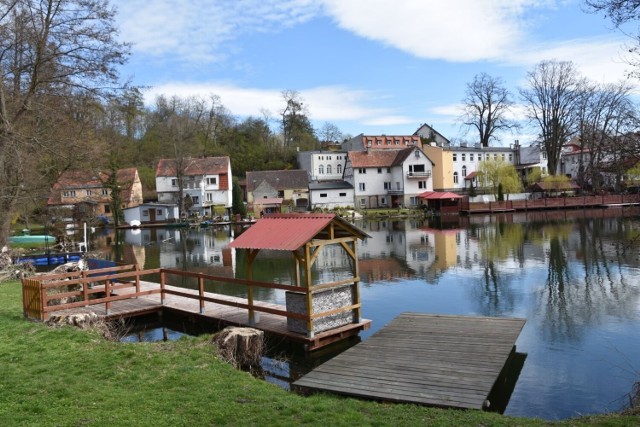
[219, 314]
[435, 360]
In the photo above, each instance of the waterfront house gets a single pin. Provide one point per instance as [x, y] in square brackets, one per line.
[206, 182]
[86, 194]
[292, 186]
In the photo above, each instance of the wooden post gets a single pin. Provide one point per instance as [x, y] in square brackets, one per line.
[137, 280]
[43, 300]
[162, 287]
[356, 283]
[309, 295]
[107, 291]
[201, 293]
[252, 255]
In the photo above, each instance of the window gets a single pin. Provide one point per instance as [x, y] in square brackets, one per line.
[388, 170]
[362, 170]
[343, 194]
[471, 157]
[145, 213]
[387, 185]
[71, 193]
[89, 192]
[479, 157]
[455, 157]
[379, 170]
[196, 200]
[174, 182]
[361, 186]
[422, 184]
[105, 192]
[397, 185]
[413, 200]
[328, 169]
[321, 170]
[464, 170]
[323, 194]
[511, 157]
[209, 197]
[502, 155]
[339, 169]
[544, 155]
[455, 177]
[363, 203]
[383, 200]
[107, 209]
[495, 157]
[281, 194]
[464, 157]
[159, 212]
[212, 181]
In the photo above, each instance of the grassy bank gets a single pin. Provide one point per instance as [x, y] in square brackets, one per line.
[69, 377]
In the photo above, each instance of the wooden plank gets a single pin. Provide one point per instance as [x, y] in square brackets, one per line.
[436, 360]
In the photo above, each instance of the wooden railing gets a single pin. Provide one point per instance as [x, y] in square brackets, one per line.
[552, 203]
[45, 294]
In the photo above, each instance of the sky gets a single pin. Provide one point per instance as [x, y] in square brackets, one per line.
[366, 66]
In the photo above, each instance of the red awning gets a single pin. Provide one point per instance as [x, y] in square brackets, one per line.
[439, 195]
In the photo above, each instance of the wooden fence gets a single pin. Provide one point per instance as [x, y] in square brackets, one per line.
[570, 202]
[48, 293]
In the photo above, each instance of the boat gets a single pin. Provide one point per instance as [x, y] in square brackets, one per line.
[32, 238]
[51, 258]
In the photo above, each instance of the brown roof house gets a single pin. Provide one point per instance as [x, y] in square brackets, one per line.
[389, 178]
[292, 186]
[205, 181]
[84, 194]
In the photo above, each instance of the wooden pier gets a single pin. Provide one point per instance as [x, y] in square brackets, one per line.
[434, 360]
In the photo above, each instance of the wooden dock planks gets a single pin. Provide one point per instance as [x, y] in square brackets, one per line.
[436, 360]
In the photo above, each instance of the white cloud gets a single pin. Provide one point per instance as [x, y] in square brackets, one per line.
[453, 30]
[598, 58]
[325, 103]
[200, 29]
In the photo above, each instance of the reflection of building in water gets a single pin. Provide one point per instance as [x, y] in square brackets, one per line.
[180, 247]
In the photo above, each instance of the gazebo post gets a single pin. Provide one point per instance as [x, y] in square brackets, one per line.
[252, 256]
[309, 295]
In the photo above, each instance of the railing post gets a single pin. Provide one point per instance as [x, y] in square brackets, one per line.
[43, 301]
[137, 280]
[107, 291]
[201, 293]
[162, 302]
[252, 314]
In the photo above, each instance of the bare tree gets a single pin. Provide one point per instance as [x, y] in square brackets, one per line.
[330, 133]
[551, 100]
[622, 12]
[486, 107]
[52, 53]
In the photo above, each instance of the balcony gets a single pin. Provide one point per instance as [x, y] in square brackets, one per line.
[419, 175]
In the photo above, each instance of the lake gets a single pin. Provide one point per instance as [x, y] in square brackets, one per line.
[574, 276]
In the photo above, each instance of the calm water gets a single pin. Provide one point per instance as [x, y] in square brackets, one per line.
[573, 275]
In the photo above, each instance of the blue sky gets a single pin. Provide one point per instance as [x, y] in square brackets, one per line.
[367, 66]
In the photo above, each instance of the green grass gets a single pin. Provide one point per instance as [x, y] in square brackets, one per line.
[70, 377]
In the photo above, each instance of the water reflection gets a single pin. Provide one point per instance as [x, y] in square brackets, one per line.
[572, 274]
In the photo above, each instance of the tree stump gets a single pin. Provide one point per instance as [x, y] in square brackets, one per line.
[242, 347]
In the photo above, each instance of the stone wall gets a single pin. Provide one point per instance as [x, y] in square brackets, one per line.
[325, 300]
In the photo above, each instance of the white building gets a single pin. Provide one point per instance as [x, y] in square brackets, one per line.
[150, 213]
[206, 181]
[331, 194]
[389, 178]
[323, 165]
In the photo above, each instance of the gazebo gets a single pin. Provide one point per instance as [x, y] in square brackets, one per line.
[442, 201]
[324, 306]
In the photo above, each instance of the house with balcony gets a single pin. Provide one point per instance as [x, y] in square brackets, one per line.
[389, 178]
[82, 194]
[206, 183]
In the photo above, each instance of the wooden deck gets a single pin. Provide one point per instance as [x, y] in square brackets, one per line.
[215, 313]
[435, 360]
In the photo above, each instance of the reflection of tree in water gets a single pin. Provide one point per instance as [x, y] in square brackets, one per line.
[498, 243]
[581, 293]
